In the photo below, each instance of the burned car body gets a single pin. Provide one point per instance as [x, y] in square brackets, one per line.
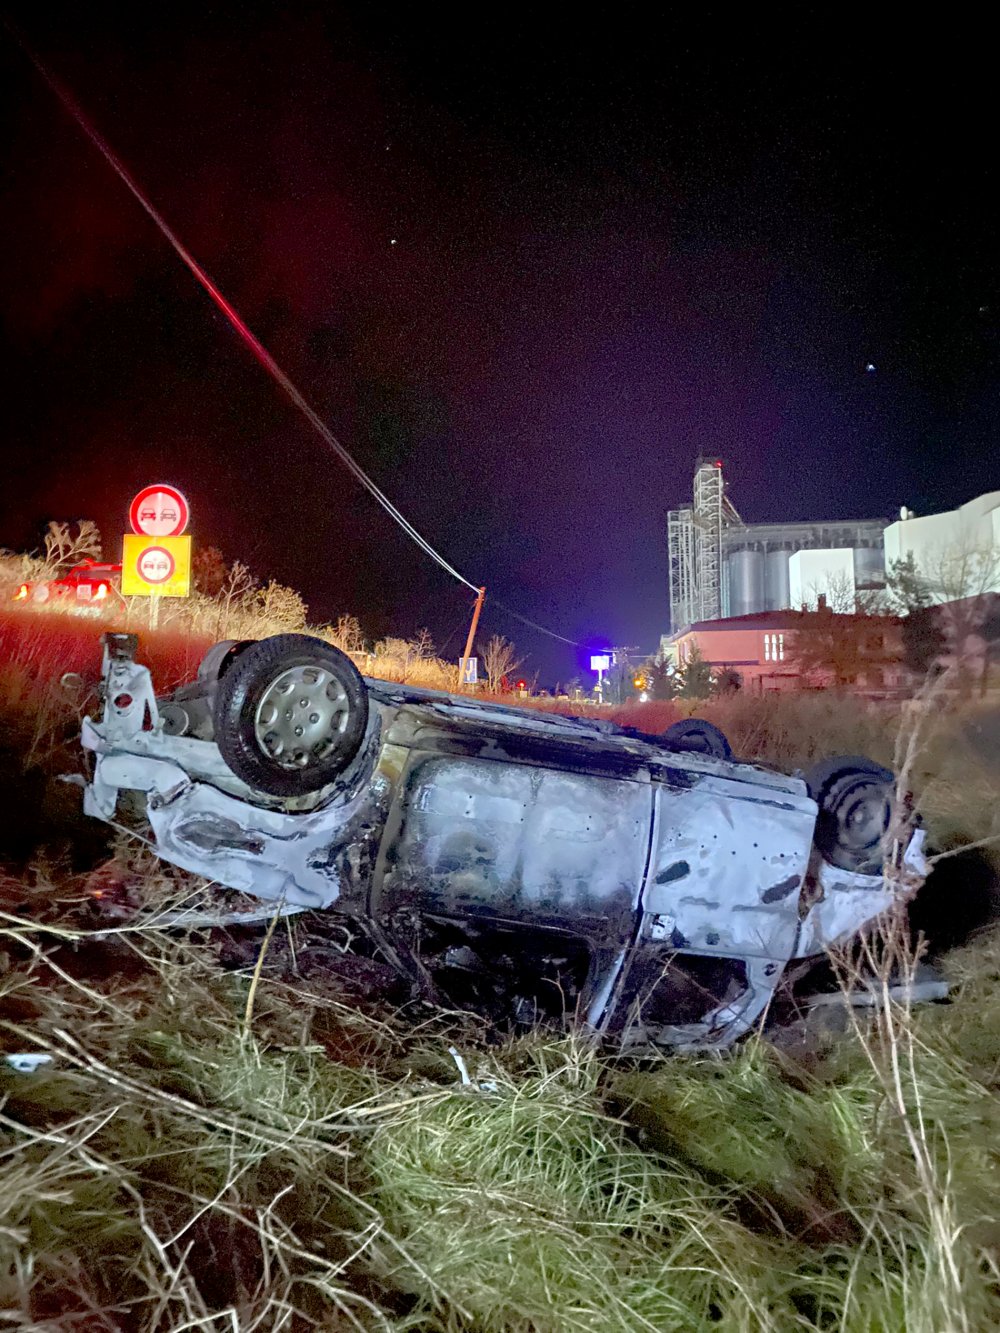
[656, 892]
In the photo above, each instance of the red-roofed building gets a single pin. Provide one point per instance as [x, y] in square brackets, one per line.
[763, 648]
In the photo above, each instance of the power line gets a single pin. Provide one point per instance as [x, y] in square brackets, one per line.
[253, 342]
[246, 333]
[534, 624]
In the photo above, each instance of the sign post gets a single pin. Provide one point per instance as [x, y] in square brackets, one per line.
[156, 557]
[600, 663]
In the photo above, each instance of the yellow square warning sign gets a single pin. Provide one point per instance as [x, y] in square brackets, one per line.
[156, 566]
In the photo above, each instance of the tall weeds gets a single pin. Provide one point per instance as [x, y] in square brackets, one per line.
[329, 1167]
[252, 1149]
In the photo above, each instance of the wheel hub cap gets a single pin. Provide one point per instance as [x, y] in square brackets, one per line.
[301, 717]
[862, 812]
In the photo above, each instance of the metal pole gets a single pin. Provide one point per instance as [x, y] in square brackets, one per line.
[472, 634]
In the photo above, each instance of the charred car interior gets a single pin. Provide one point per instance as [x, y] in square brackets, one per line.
[532, 866]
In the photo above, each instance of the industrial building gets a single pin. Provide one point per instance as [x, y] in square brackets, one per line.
[959, 546]
[740, 592]
[721, 566]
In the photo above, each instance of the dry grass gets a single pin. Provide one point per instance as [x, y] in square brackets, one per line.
[327, 1168]
[956, 783]
[322, 1166]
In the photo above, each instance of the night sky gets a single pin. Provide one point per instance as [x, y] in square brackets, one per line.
[528, 267]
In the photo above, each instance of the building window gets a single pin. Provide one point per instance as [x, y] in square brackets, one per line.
[774, 647]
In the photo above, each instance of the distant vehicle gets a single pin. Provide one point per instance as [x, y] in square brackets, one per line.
[517, 862]
[90, 581]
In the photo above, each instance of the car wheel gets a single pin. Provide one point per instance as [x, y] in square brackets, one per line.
[290, 714]
[854, 795]
[695, 736]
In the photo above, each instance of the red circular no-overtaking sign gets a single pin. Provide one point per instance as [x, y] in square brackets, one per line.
[155, 564]
[159, 511]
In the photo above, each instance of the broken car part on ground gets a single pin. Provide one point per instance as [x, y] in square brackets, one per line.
[519, 862]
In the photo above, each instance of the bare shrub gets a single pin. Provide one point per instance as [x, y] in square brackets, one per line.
[500, 659]
[422, 644]
[394, 659]
[16, 568]
[346, 634]
[408, 662]
[64, 546]
[282, 608]
[233, 600]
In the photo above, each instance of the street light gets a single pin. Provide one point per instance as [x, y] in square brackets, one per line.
[600, 662]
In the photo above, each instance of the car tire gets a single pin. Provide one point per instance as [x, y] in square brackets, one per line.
[695, 736]
[854, 795]
[290, 714]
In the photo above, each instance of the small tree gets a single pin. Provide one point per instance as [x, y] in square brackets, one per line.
[618, 686]
[697, 678]
[402, 659]
[208, 571]
[500, 659]
[237, 590]
[845, 648]
[906, 587]
[423, 644]
[64, 546]
[663, 683]
[990, 631]
[967, 578]
[837, 593]
[282, 608]
[347, 635]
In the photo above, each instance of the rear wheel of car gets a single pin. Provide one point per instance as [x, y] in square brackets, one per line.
[854, 795]
[290, 714]
[695, 736]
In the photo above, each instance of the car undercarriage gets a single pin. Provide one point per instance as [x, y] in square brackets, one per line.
[529, 866]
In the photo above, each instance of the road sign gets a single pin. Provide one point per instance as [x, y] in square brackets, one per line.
[159, 511]
[471, 674]
[156, 566]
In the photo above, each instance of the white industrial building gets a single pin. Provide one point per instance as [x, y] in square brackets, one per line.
[963, 542]
[723, 567]
[822, 577]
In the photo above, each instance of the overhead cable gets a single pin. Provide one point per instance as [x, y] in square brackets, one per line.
[256, 346]
[245, 332]
[534, 624]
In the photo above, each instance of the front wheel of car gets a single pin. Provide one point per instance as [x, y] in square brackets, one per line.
[696, 736]
[290, 714]
[854, 795]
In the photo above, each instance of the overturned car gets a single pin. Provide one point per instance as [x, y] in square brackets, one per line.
[542, 865]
